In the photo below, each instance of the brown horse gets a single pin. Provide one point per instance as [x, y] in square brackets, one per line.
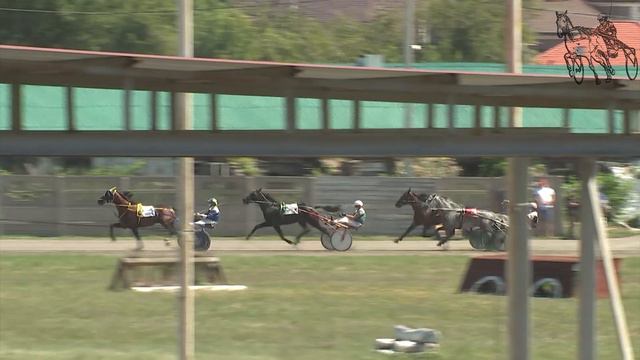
[129, 218]
[426, 216]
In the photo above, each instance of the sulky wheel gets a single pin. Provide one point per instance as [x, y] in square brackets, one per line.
[201, 241]
[341, 240]
[325, 240]
[498, 240]
[578, 70]
[631, 64]
[475, 239]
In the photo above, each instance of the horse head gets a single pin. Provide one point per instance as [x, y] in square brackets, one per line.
[107, 197]
[407, 197]
[255, 196]
[563, 24]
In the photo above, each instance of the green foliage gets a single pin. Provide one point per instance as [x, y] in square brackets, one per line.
[492, 167]
[463, 30]
[246, 165]
[617, 190]
[114, 170]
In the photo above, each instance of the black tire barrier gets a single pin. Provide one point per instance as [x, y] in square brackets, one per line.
[489, 285]
[547, 287]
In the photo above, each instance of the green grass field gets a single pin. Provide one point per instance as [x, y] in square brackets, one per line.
[296, 307]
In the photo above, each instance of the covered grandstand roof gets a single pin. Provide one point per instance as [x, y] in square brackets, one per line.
[40, 66]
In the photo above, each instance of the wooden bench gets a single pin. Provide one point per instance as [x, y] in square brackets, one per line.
[207, 270]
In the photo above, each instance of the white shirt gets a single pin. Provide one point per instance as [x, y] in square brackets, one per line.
[547, 196]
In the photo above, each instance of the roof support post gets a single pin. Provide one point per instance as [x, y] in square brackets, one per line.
[429, 116]
[477, 118]
[16, 107]
[518, 267]
[290, 113]
[213, 99]
[183, 121]
[126, 105]
[611, 119]
[587, 292]
[566, 118]
[451, 114]
[71, 116]
[356, 115]
[154, 110]
[496, 117]
[326, 115]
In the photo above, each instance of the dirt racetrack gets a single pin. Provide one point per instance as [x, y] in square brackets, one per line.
[621, 247]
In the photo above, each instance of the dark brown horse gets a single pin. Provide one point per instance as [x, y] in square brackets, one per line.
[129, 218]
[423, 215]
[273, 216]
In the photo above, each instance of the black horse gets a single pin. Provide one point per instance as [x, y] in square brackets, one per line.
[273, 215]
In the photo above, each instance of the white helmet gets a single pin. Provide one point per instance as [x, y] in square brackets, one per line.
[213, 201]
[358, 203]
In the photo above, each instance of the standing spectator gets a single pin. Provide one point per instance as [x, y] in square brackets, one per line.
[545, 197]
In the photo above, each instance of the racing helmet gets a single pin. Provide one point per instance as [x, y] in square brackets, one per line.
[358, 203]
[603, 17]
[213, 202]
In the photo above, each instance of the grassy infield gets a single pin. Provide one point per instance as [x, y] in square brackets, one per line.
[297, 307]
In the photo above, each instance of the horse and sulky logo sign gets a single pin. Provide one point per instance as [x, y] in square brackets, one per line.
[594, 47]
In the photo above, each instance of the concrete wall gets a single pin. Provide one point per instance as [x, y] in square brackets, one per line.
[66, 205]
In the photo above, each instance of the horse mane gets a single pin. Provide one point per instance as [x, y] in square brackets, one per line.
[267, 195]
[438, 201]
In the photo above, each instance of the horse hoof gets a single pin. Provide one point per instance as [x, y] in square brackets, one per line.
[396, 241]
[167, 242]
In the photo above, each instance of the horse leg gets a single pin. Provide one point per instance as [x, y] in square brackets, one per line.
[305, 230]
[259, 226]
[277, 227]
[601, 58]
[448, 234]
[139, 244]
[114, 225]
[593, 69]
[171, 228]
[409, 229]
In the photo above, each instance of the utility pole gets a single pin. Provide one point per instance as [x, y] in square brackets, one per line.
[185, 194]
[409, 41]
[518, 267]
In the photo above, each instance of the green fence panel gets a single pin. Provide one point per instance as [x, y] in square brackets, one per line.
[5, 107]
[44, 108]
[239, 112]
[309, 113]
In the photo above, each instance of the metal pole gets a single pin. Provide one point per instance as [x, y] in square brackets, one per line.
[587, 292]
[518, 265]
[594, 217]
[409, 39]
[185, 194]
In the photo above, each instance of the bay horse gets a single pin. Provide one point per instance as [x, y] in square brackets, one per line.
[128, 215]
[274, 217]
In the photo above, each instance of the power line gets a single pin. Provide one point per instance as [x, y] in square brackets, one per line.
[153, 12]
[579, 13]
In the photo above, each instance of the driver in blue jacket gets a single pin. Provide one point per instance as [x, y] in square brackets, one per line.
[210, 217]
